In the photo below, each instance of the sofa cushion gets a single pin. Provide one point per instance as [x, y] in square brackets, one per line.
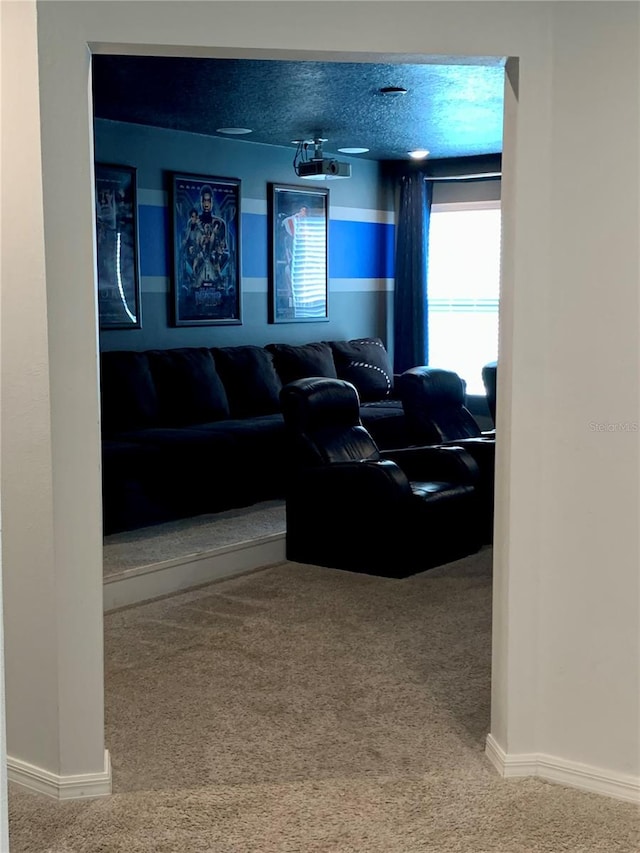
[366, 363]
[260, 462]
[197, 469]
[189, 388]
[299, 362]
[250, 380]
[127, 391]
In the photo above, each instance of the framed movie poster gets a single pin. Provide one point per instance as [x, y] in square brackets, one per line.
[298, 278]
[117, 247]
[206, 250]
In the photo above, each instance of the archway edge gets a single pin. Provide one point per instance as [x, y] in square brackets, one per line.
[544, 148]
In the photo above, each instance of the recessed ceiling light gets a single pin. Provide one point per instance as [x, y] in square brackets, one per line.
[353, 150]
[234, 131]
[393, 91]
[418, 154]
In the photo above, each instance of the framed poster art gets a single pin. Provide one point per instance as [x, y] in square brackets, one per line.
[117, 247]
[298, 275]
[206, 250]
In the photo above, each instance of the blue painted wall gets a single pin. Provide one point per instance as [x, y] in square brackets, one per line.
[361, 239]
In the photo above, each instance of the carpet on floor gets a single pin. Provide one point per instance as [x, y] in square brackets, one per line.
[299, 709]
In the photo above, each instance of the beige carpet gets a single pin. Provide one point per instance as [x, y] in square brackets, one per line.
[305, 710]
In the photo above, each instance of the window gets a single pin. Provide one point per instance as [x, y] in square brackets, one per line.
[463, 288]
[309, 267]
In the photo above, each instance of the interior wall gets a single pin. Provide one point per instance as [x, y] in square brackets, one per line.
[360, 239]
[550, 671]
[590, 558]
[53, 633]
[4, 822]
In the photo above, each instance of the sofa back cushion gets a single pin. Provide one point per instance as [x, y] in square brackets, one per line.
[365, 362]
[189, 388]
[128, 393]
[299, 362]
[250, 380]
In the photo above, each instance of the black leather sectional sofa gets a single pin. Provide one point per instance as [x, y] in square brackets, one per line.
[197, 430]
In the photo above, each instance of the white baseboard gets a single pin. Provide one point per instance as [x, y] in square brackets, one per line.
[143, 583]
[76, 787]
[570, 773]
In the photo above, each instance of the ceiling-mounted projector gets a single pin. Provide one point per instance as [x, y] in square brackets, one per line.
[317, 167]
[322, 170]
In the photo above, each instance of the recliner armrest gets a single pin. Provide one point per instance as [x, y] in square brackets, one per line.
[435, 462]
[482, 448]
[370, 480]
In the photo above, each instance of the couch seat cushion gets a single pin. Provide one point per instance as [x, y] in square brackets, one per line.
[260, 465]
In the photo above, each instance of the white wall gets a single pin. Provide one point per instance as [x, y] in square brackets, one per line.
[4, 816]
[589, 637]
[575, 618]
[29, 581]
[565, 681]
[50, 486]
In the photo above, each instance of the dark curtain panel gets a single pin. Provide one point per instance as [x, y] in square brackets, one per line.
[411, 344]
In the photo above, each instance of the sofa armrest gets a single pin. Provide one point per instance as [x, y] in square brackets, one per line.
[435, 462]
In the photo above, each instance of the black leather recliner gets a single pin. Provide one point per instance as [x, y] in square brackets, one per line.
[489, 380]
[351, 506]
[435, 412]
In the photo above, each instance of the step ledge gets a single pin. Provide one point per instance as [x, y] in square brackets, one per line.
[153, 580]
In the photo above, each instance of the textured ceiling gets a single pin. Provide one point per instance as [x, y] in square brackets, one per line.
[452, 108]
